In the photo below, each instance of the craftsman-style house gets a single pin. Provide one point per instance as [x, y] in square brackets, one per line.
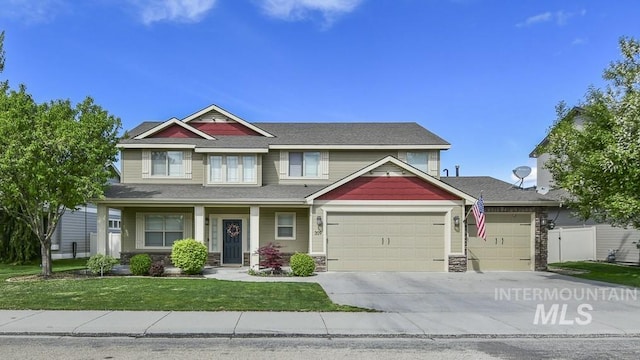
[355, 196]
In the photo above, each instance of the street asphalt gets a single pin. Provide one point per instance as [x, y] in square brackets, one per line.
[498, 304]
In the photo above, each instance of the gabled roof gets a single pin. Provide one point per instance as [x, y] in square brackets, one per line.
[231, 116]
[398, 135]
[402, 165]
[173, 122]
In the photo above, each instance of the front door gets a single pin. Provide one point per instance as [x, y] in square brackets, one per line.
[232, 241]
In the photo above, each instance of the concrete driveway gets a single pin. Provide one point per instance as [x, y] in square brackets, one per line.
[534, 302]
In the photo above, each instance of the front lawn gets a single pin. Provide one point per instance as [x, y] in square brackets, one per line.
[611, 273]
[146, 293]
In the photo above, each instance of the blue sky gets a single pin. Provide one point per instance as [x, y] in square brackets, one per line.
[484, 75]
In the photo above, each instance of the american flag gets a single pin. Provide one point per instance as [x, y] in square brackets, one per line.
[478, 213]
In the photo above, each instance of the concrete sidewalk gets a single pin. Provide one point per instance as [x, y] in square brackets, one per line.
[414, 305]
[293, 324]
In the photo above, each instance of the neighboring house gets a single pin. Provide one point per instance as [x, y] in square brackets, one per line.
[72, 238]
[355, 196]
[573, 239]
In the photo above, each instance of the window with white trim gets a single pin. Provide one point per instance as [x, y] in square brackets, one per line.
[167, 163]
[233, 169]
[418, 160]
[162, 230]
[304, 164]
[114, 224]
[285, 226]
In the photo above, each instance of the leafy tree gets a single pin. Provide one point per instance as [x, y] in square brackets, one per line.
[595, 148]
[18, 244]
[53, 156]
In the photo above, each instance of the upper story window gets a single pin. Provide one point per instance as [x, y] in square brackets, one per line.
[418, 160]
[230, 169]
[304, 164]
[170, 164]
[167, 163]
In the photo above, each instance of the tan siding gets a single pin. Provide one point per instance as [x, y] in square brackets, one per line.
[132, 169]
[318, 239]
[227, 210]
[456, 232]
[131, 166]
[128, 240]
[387, 168]
[343, 163]
[197, 168]
[270, 164]
[268, 230]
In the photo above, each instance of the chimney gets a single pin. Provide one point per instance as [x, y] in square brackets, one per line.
[457, 170]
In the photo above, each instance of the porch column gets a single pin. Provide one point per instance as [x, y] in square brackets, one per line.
[254, 237]
[198, 215]
[103, 223]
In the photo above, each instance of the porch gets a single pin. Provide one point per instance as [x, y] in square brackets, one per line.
[232, 234]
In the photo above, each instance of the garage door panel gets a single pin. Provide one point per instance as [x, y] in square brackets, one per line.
[385, 242]
[509, 240]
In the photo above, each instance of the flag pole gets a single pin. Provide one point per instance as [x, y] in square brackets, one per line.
[471, 208]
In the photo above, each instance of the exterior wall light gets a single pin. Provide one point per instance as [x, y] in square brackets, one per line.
[319, 221]
[456, 221]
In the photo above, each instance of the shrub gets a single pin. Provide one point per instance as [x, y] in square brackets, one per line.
[270, 257]
[156, 269]
[140, 264]
[189, 255]
[302, 264]
[101, 264]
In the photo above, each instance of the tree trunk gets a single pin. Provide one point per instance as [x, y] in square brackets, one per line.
[45, 249]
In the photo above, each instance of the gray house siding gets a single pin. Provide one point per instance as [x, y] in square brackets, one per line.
[76, 227]
[622, 240]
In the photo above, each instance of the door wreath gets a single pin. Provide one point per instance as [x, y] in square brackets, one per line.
[233, 230]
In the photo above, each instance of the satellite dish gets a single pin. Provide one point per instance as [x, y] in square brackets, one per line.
[522, 172]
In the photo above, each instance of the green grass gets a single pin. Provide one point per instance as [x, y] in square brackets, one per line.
[137, 293]
[611, 273]
[8, 270]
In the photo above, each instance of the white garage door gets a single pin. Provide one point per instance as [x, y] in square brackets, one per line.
[385, 242]
[508, 244]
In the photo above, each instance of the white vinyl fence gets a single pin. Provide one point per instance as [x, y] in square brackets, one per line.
[114, 244]
[572, 244]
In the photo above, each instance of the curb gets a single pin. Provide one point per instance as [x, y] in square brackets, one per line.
[318, 336]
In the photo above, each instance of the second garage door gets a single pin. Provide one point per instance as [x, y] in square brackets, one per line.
[385, 242]
[508, 244]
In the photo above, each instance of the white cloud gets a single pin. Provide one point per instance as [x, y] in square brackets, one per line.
[579, 41]
[297, 10]
[535, 19]
[174, 10]
[32, 12]
[559, 17]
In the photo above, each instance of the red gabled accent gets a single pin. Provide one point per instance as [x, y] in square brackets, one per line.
[175, 131]
[388, 188]
[222, 129]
